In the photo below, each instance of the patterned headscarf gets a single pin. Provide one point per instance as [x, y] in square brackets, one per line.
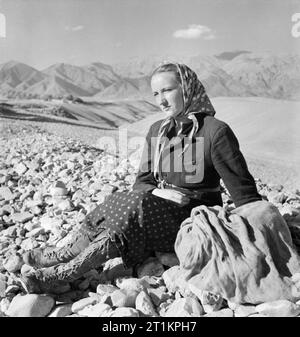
[195, 100]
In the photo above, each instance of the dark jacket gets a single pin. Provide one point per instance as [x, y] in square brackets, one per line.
[214, 154]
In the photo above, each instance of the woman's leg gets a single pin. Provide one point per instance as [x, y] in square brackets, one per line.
[44, 280]
[50, 256]
[82, 235]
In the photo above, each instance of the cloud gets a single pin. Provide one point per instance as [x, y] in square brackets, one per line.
[195, 32]
[74, 28]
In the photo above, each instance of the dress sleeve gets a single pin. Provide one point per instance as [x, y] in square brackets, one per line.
[232, 168]
[145, 180]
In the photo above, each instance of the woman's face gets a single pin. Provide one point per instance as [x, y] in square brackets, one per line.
[168, 93]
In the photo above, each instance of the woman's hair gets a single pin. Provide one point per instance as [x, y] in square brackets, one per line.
[168, 67]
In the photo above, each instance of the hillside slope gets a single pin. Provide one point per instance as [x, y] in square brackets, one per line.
[267, 130]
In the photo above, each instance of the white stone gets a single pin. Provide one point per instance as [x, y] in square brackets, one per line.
[20, 169]
[95, 187]
[175, 280]
[131, 283]
[50, 223]
[61, 311]
[35, 232]
[79, 194]
[74, 315]
[123, 298]
[232, 305]
[84, 302]
[13, 263]
[220, 313]
[280, 308]
[38, 196]
[65, 205]
[96, 310]
[113, 269]
[153, 281]
[10, 231]
[296, 277]
[22, 217]
[288, 210]
[276, 197]
[2, 288]
[6, 194]
[244, 310]
[210, 302]
[109, 189]
[98, 297]
[258, 315]
[177, 295]
[185, 307]
[36, 210]
[6, 209]
[30, 305]
[3, 246]
[29, 244]
[125, 312]
[29, 226]
[103, 289]
[144, 304]
[59, 189]
[158, 295]
[4, 305]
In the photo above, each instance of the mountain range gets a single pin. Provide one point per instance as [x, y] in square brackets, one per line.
[238, 73]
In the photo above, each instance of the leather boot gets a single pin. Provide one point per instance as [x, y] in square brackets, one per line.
[33, 284]
[50, 256]
[45, 280]
[80, 238]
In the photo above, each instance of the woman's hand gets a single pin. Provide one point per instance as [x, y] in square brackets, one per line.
[172, 195]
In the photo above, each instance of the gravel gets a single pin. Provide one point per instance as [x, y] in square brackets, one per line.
[51, 176]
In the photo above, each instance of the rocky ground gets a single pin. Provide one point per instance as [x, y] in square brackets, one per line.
[48, 183]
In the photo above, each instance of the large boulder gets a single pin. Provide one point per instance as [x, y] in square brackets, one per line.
[30, 305]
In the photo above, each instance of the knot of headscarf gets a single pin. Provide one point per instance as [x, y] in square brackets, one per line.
[195, 100]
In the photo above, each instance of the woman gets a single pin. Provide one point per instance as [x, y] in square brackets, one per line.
[184, 157]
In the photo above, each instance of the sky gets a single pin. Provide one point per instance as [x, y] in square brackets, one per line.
[43, 32]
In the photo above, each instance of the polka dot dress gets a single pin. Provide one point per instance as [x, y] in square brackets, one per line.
[139, 221]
